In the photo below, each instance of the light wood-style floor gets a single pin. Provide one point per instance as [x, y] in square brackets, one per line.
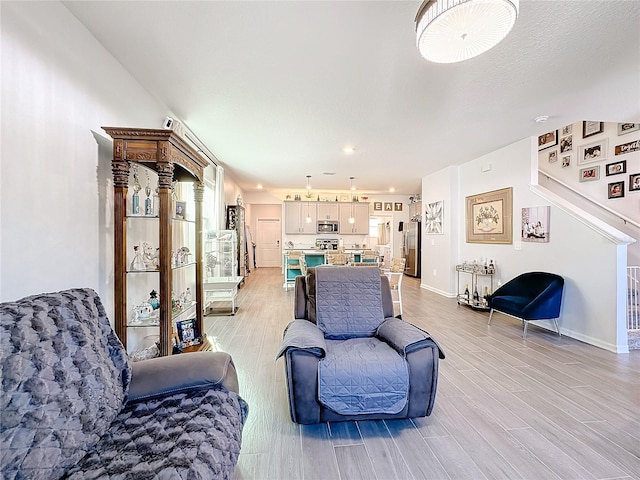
[506, 408]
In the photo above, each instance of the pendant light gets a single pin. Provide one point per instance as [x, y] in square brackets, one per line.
[308, 219]
[352, 218]
[449, 31]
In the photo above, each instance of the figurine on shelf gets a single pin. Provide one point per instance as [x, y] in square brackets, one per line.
[149, 256]
[148, 209]
[136, 189]
[188, 296]
[137, 263]
[142, 311]
[154, 301]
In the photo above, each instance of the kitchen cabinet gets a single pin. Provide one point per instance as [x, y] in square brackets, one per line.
[295, 217]
[327, 211]
[170, 221]
[360, 212]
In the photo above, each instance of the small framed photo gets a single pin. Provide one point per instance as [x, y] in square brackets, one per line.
[634, 182]
[616, 190]
[566, 144]
[181, 210]
[593, 152]
[377, 206]
[590, 174]
[388, 207]
[553, 156]
[624, 128]
[535, 224]
[188, 334]
[567, 130]
[616, 168]
[546, 140]
[397, 206]
[592, 128]
[566, 161]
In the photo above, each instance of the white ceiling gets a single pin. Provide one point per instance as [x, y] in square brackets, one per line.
[276, 89]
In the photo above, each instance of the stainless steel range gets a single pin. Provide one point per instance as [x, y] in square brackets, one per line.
[327, 243]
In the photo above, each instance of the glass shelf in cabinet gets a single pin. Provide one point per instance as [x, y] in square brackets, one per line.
[184, 265]
[151, 217]
[143, 271]
[176, 312]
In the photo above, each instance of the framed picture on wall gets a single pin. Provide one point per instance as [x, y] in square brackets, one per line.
[616, 168]
[634, 182]
[489, 217]
[566, 130]
[593, 152]
[592, 128]
[590, 174]
[553, 156]
[377, 206]
[397, 206]
[433, 221]
[535, 224]
[566, 161]
[624, 128]
[547, 140]
[566, 144]
[615, 190]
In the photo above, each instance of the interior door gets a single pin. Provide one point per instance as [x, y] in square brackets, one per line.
[268, 239]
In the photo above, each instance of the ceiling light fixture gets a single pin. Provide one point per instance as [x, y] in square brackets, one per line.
[349, 149]
[541, 118]
[392, 189]
[449, 31]
[352, 218]
[308, 219]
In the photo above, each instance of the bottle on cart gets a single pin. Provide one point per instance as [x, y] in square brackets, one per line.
[476, 296]
[466, 292]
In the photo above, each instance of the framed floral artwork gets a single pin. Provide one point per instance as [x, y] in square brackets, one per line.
[433, 223]
[489, 217]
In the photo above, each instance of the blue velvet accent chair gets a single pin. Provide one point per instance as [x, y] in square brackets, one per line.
[529, 296]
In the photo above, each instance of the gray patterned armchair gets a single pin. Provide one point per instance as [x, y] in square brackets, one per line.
[74, 407]
[348, 358]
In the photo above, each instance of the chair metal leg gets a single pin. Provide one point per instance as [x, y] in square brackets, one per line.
[490, 315]
[555, 320]
[524, 333]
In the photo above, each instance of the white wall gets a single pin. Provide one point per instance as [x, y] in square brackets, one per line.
[584, 257]
[59, 85]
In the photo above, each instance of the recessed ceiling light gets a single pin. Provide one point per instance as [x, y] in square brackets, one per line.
[259, 186]
[541, 118]
[392, 189]
[328, 173]
[349, 149]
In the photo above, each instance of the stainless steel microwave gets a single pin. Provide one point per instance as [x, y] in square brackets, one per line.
[327, 226]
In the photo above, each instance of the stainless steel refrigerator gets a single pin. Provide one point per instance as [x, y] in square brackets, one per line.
[411, 248]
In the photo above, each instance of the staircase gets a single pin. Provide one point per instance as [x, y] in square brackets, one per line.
[633, 307]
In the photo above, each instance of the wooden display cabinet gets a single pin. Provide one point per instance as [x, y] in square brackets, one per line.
[172, 159]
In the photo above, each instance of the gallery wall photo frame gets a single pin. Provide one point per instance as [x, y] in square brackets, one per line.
[566, 130]
[634, 182]
[590, 174]
[549, 139]
[566, 144]
[593, 152]
[536, 224]
[566, 161]
[592, 128]
[553, 155]
[397, 206]
[615, 189]
[616, 168]
[489, 217]
[434, 218]
[377, 206]
[624, 128]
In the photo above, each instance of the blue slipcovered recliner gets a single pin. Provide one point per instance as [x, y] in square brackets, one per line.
[529, 296]
[348, 358]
